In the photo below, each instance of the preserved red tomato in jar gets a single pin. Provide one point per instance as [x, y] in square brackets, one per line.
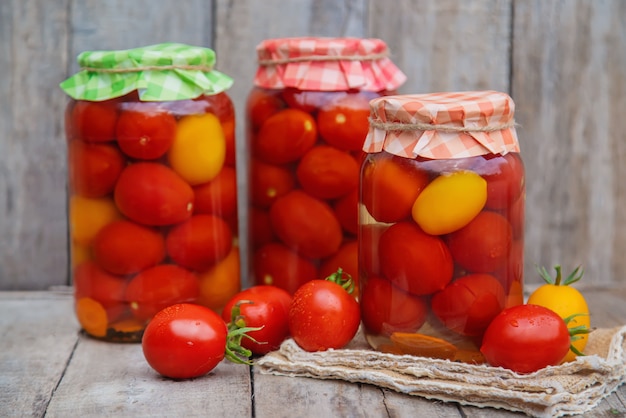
[441, 222]
[152, 186]
[306, 121]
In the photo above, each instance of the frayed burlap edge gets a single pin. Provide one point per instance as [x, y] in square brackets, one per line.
[568, 389]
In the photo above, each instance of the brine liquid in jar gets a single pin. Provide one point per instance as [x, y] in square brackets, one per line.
[441, 222]
[307, 119]
[152, 187]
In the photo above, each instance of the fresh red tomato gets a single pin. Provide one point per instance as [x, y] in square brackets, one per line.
[326, 172]
[146, 135]
[385, 309]
[306, 224]
[200, 242]
[184, 341]
[468, 304]
[285, 137]
[264, 307]
[483, 245]
[160, 286]
[414, 261]
[274, 264]
[93, 168]
[526, 338]
[347, 259]
[323, 315]
[390, 187]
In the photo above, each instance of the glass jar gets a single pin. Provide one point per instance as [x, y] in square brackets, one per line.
[306, 122]
[152, 186]
[441, 222]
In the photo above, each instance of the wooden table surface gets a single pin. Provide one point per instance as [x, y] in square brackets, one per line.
[48, 368]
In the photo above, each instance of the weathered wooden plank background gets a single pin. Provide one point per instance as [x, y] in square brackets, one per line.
[563, 61]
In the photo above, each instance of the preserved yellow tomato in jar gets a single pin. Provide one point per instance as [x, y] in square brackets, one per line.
[307, 118]
[152, 186]
[441, 222]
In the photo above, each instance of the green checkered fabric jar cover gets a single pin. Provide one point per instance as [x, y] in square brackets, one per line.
[162, 72]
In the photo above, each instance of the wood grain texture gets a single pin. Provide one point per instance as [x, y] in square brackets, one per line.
[564, 63]
[569, 67]
[107, 379]
[37, 338]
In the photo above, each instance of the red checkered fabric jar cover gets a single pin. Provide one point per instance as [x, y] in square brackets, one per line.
[443, 125]
[326, 64]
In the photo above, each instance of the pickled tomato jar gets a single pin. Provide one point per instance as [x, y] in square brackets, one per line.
[307, 119]
[441, 222]
[152, 186]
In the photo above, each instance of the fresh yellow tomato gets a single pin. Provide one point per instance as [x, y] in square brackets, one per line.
[199, 148]
[566, 301]
[450, 202]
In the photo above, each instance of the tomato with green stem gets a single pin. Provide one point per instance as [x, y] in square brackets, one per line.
[185, 340]
[564, 299]
[323, 313]
[265, 307]
[526, 338]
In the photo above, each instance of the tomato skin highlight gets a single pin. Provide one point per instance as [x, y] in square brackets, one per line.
[323, 315]
[526, 338]
[262, 306]
[184, 341]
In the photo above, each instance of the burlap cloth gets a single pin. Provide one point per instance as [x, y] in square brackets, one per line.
[568, 389]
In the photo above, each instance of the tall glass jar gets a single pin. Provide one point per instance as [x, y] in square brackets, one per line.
[306, 122]
[152, 186]
[441, 222]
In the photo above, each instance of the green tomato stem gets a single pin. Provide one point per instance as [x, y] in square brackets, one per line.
[237, 331]
[343, 279]
[573, 277]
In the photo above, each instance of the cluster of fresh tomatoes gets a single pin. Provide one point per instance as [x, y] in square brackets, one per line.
[306, 153]
[188, 340]
[441, 245]
[153, 208]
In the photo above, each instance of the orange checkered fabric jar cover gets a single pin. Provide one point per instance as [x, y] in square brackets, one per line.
[443, 125]
[326, 64]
